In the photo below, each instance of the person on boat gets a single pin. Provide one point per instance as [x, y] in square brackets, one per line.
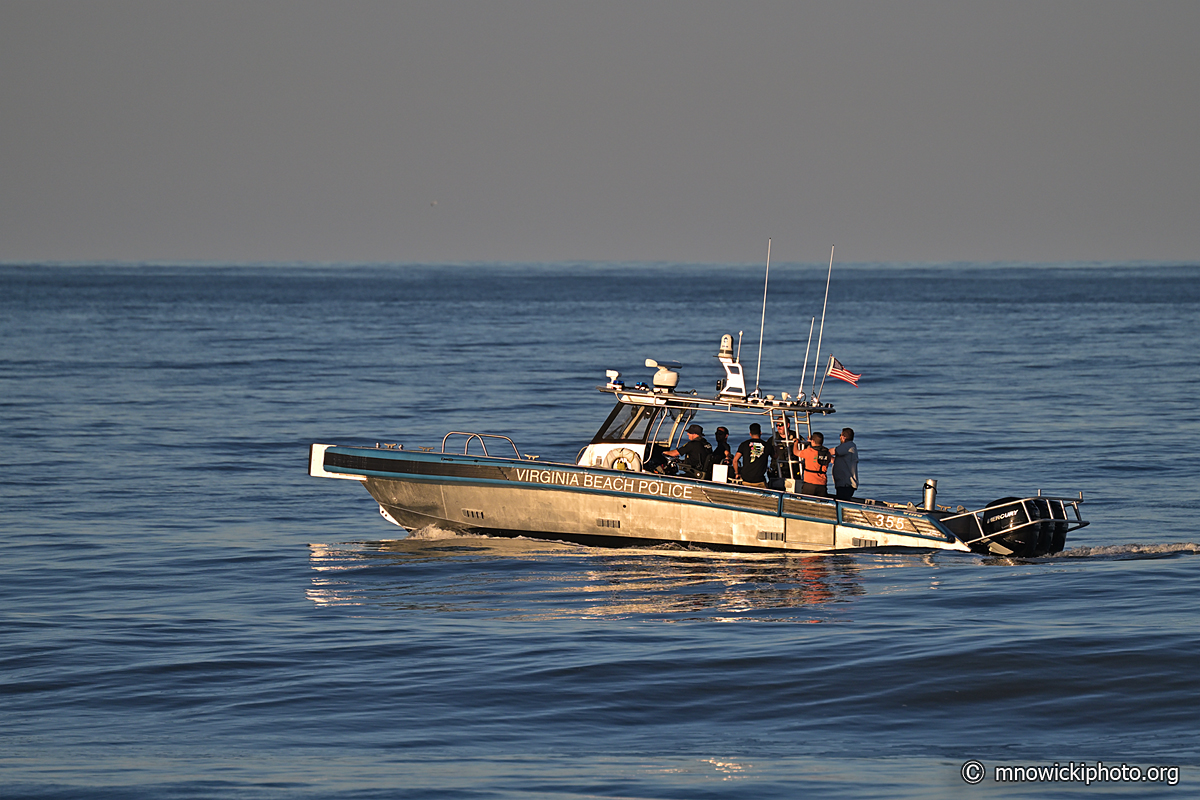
[784, 464]
[697, 454]
[845, 466]
[722, 454]
[750, 462]
[814, 463]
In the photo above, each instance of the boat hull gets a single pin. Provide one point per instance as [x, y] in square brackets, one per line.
[509, 497]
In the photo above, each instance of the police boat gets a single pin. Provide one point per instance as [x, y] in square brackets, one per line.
[623, 490]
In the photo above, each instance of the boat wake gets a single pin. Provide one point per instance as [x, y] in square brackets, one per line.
[1130, 551]
[434, 532]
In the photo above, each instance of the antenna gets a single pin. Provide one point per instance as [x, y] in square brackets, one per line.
[739, 355]
[820, 335]
[807, 348]
[762, 324]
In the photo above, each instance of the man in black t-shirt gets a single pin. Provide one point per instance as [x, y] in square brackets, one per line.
[751, 460]
[696, 454]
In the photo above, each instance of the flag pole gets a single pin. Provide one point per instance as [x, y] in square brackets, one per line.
[828, 367]
[822, 333]
[762, 324]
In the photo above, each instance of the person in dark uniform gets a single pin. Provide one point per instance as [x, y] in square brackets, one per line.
[750, 462]
[696, 454]
[722, 454]
[784, 464]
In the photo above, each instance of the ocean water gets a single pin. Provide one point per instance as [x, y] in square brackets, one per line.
[184, 613]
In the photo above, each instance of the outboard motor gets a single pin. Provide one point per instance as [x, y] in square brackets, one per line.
[1058, 535]
[1046, 529]
[1010, 518]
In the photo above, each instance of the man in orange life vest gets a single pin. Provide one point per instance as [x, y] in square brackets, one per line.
[814, 466]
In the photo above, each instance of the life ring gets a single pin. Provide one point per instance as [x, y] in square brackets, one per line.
[623, 459]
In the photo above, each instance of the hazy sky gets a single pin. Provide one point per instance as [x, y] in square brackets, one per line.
[600, 131]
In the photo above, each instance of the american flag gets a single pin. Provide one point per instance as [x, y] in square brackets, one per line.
[841, 373]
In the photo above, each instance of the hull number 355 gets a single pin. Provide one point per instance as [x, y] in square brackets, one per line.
[890, 522]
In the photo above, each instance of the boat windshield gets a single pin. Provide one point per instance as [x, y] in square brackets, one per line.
[671, 424]
[626, 423]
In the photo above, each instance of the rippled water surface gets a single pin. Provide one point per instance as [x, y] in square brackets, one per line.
[185, 613]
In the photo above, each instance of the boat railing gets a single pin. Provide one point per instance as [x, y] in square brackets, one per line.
[481, 437]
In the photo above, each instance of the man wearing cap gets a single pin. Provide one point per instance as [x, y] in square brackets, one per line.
[696, 454]
[722, 453]
[784, 463]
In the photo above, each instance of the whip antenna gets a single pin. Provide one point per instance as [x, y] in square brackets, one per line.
[807, 348]
[762, 324]
[817, 362]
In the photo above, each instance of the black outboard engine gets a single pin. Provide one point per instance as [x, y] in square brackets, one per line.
[1011, 518]
[1058, 535]
[1046, 530]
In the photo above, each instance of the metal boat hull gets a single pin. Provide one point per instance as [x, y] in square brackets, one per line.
[510, 497]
